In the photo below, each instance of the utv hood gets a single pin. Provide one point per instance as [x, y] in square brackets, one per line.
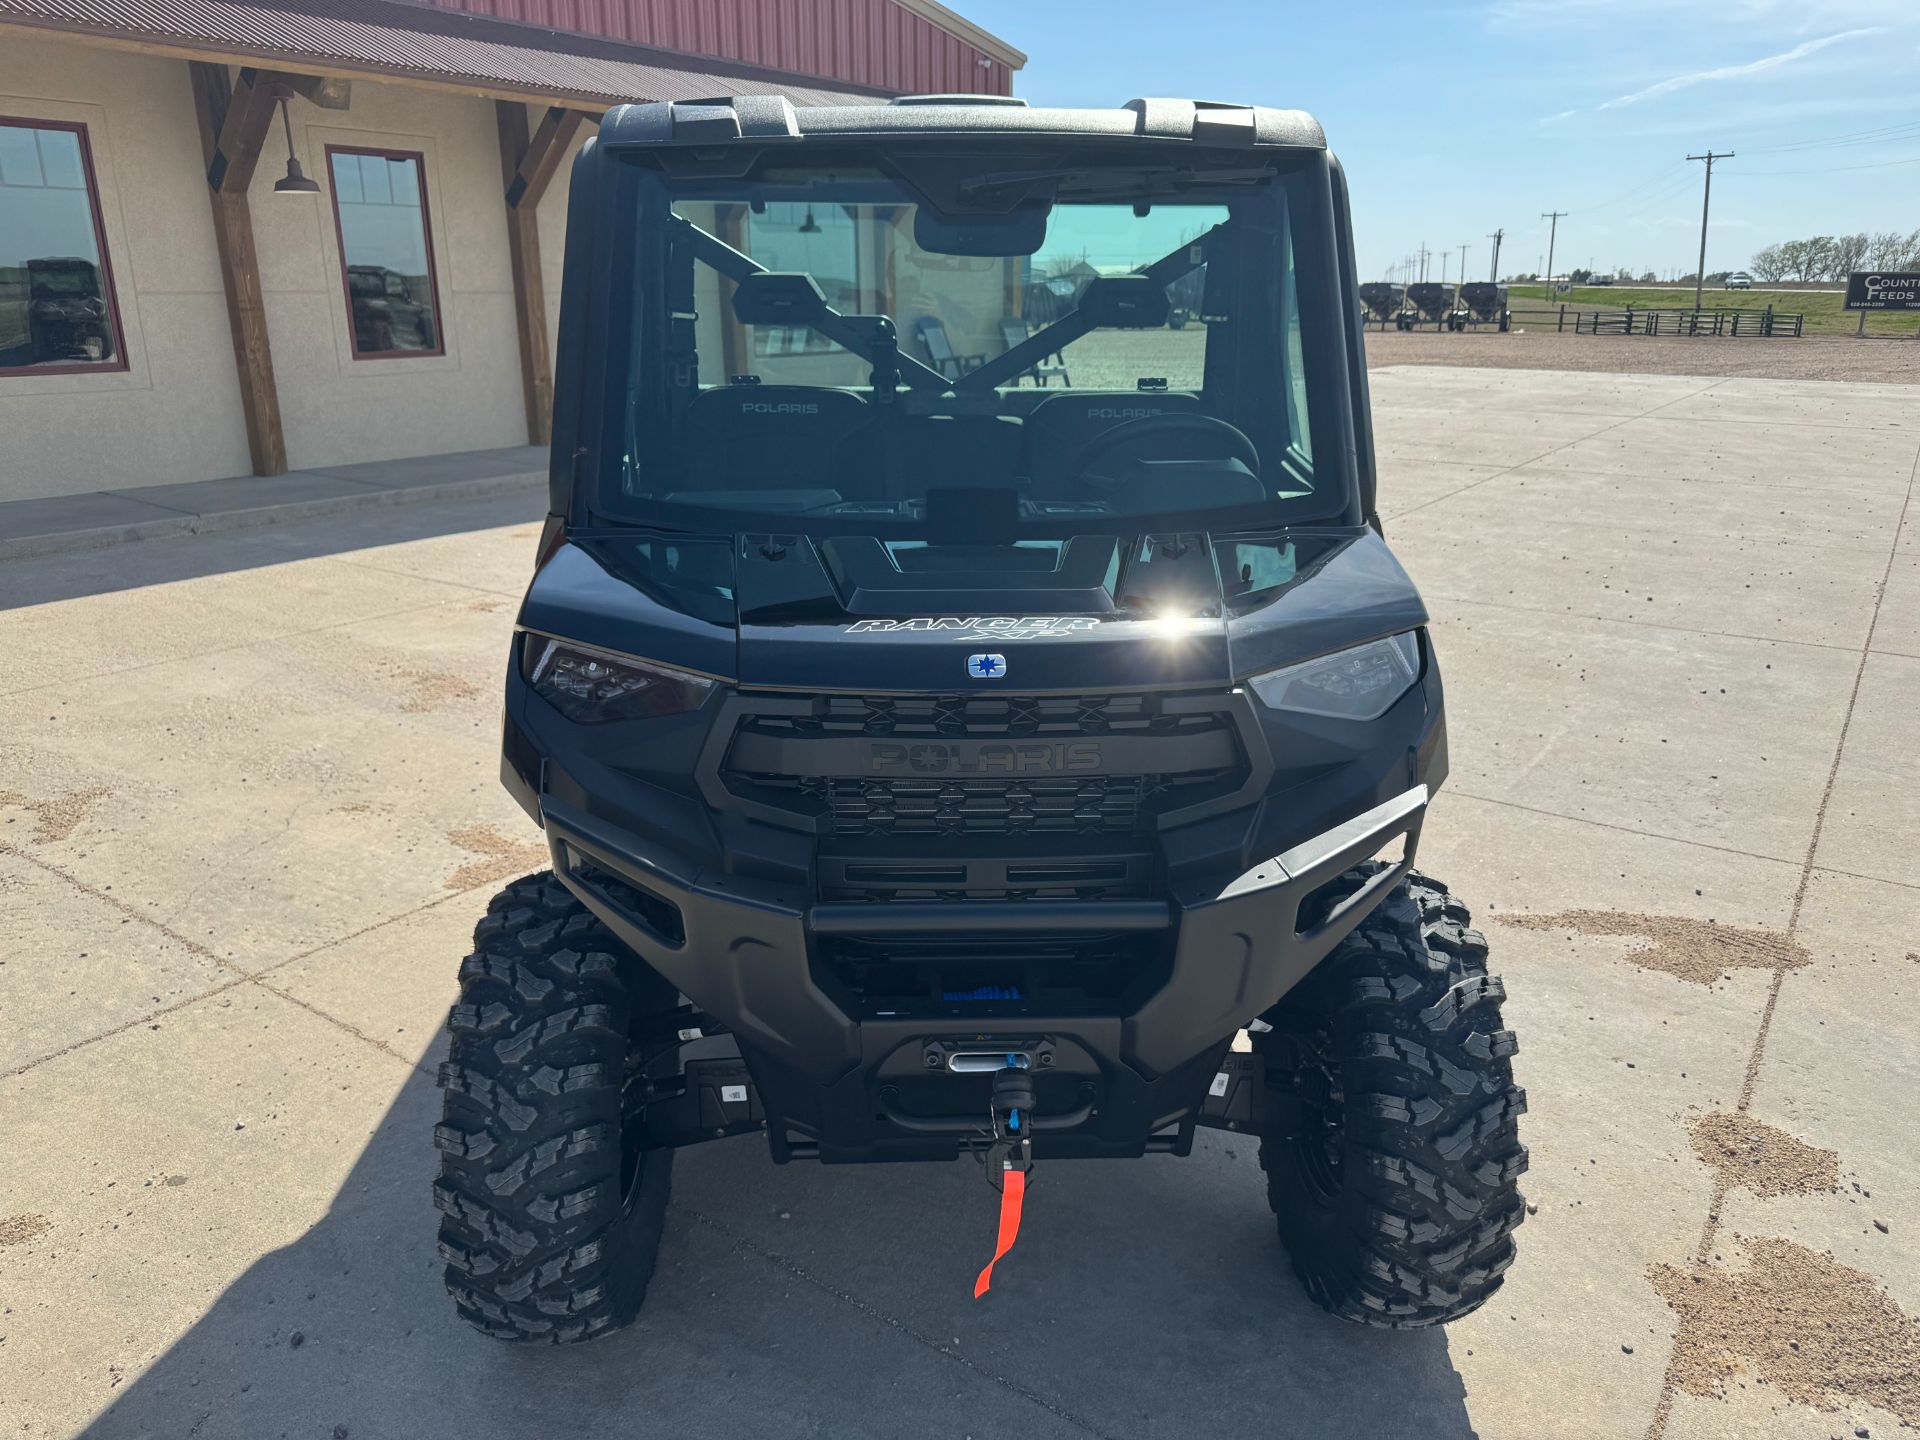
[1092, 613]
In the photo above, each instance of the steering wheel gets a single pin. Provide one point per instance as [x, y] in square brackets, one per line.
[1080, 466]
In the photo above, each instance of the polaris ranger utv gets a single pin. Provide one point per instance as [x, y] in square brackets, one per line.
[939, 761]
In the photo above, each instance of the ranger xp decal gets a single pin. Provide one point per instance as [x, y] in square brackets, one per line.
[980, 627]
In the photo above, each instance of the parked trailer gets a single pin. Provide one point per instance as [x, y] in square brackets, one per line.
[1485, 304]
[1436, 303]
[1386, 303]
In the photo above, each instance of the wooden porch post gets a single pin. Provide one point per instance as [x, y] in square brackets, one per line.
[233, 124]
[527, 164]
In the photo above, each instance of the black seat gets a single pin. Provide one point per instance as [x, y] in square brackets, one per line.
[940, 352]
[1059, 425]
[766, 437]
[1015, 332]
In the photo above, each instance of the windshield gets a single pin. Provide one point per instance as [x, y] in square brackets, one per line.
[78, 280]
[1091, 346]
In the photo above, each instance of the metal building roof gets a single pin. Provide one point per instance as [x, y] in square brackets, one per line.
[429, 45]
[916, 46]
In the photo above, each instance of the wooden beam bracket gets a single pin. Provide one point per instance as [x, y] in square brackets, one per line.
[238, 119]
[249, 117]
[540, 157]
[243, 130]
[527, 166]
[328, 92]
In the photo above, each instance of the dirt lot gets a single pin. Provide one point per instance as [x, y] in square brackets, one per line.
[249, 812]
[1895, 362]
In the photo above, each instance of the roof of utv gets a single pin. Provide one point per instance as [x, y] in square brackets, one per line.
[759, 119]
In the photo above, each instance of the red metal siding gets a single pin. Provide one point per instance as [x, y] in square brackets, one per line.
[382, 37]
[862, 42]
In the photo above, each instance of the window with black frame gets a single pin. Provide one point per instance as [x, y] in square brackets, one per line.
[820, 341]
[57, 310]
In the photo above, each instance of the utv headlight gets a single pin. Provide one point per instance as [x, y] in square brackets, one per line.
[1355, 684]
[591, 686]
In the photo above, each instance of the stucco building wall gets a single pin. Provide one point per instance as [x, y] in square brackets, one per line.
[174, 414]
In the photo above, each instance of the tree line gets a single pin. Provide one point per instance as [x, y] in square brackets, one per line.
[1834, 257]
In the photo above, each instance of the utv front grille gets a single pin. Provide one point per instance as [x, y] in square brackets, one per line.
[888, 767]
[984, 717]
[1065, 805]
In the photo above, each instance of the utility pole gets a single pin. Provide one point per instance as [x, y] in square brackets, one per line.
[1445, 255]
[1422, 253]
[1493, 275]
[1706, 198]
[1463, 266]
[1556, 216]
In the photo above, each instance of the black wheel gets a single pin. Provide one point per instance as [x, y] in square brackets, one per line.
[1395, 1185]
[551, 1210]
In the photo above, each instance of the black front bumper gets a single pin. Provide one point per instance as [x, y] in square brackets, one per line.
[846, 1087]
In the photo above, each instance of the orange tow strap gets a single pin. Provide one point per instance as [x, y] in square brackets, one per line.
[1013, 1191]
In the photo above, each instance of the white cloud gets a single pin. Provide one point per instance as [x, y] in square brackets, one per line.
[1556, 119]
[1737, 72]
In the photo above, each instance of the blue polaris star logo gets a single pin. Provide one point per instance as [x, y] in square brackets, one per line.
[987, 667]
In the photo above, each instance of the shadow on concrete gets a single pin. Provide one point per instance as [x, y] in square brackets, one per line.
[167, 559]
[1145, 1298]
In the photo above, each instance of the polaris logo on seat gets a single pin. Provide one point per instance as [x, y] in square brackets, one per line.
[770, 407]
[982, 757]
[1111, 412]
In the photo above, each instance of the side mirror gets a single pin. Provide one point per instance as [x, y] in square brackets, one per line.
[779, 297]
[1125, 302]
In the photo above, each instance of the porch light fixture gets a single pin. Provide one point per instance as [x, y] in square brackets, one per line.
[295, 182]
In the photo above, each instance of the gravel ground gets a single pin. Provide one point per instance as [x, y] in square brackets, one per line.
[1895, 362]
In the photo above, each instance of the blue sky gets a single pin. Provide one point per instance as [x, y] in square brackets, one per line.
[1454, 120]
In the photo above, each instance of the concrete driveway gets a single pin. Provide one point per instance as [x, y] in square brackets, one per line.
[249, 814]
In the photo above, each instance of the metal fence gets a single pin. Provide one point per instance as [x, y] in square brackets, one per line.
[1756, 324]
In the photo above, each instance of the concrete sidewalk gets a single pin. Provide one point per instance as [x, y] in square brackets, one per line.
[65, 523]
[249, 813]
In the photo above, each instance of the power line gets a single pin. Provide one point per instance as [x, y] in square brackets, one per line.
[1659, 177]
[1655, 201]
[1829, 169]
[1857, 137]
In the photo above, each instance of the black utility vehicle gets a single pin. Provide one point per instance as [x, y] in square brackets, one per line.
[938, 762]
